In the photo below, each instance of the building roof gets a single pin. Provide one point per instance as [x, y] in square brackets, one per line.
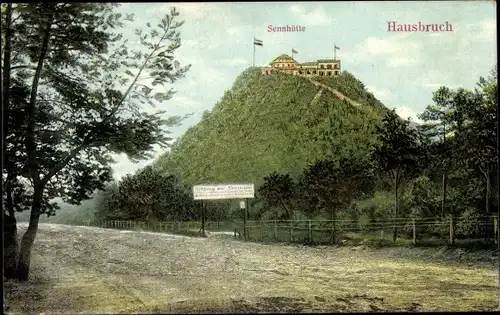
[328, 60]
[284, 56]
[309, 63]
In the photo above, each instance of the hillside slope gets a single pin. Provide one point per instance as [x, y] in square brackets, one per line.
[275, 123]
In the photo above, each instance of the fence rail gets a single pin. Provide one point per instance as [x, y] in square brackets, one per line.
[409, 230]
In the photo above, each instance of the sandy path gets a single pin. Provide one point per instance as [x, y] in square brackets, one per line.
[84, 269]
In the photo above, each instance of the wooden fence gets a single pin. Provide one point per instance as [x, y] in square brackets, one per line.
[409, 231]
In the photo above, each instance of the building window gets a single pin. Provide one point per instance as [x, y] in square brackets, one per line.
[314, 72]
[267, 72]
[329, 73]
[336, 73]
[322, 67]
[335, 66]
[321, 73]
[328, 66]
[308, 72]
[300, 71]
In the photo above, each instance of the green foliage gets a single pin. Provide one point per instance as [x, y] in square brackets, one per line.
[347, 84]
[255, 130]
[277, 191]
[378, 207]
[399, 151]
[72, 93]
[147, 195]
[327, 185]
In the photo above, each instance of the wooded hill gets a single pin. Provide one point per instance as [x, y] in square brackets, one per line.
[274, 123]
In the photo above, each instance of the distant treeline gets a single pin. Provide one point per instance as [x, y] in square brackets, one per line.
[444, 167]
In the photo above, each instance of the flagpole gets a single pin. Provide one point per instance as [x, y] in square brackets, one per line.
[254, 51]
[334, 52]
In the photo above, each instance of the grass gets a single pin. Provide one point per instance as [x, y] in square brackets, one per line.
[105, 270]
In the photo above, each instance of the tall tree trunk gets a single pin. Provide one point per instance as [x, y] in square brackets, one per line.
[30, 144]
[488, 190]
[11, 244]
[396, 210]
[445, 174]
[445, 187]
[29, 237]
[288, 214]
[487, 174]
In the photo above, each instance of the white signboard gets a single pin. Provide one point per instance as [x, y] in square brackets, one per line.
[242, 205]
[230, 191]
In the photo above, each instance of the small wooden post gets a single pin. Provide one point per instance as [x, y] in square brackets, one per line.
[202, 218]
[261, 232]
[291, 231]
[452, 232]
[245, 230]
[178, 226]
[218, 226]
[414, 232]
[275, 230]
[310, 231]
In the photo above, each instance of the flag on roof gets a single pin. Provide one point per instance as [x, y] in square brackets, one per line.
[336, 47]
[294, 51]
[258, 42]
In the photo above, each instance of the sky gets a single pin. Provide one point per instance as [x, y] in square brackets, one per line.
[402, 69]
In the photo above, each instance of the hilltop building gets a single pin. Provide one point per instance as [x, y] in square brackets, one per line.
[286, 64]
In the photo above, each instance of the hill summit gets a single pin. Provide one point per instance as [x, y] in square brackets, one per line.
[277, 122]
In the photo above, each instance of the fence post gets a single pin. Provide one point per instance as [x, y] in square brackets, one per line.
[452, 231]
[414, 232]
[291, 231]
[178, 226]
[218, 226]
[310, 231]
[275, 230]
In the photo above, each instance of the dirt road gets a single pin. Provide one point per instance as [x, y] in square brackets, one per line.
[84, 269]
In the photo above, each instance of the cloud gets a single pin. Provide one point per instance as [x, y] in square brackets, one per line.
[314, 17]
[406, 112]
[218, 13]
[396, 51]
[435, 79]
[488, 30]
[238, 61]
[379, 93]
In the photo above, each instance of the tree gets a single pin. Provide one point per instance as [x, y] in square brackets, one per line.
[441, 123]
[478, 137]
[79, 108]
[331, 185]
[399, 154]
[278, 191]
[149, 195]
